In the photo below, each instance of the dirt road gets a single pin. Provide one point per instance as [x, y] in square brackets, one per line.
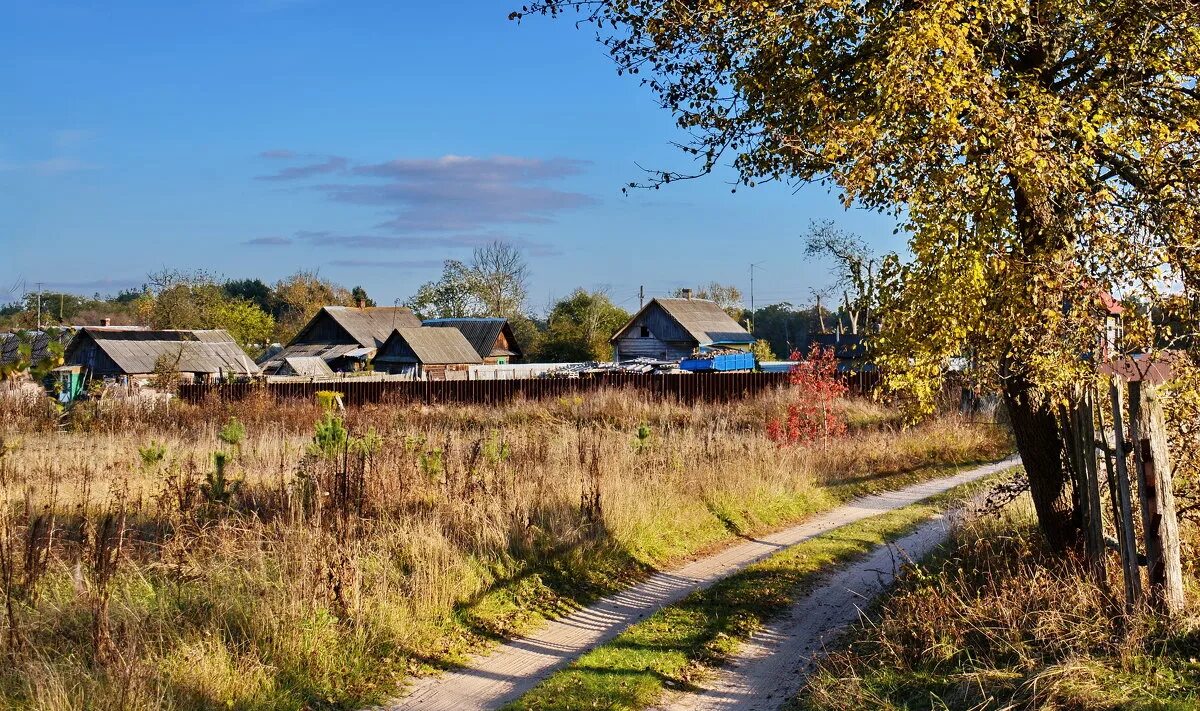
[771, 667]
[491, 680]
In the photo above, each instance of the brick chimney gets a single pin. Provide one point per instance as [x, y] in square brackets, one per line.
[362, 303]
[687, 294]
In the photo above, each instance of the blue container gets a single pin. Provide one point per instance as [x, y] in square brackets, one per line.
[722, 363]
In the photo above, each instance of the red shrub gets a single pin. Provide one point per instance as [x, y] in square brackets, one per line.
[812, 416]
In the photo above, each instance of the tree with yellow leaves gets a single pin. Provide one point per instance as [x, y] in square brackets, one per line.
[1034, 151]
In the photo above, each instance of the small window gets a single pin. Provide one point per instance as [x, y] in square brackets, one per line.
[645, 331]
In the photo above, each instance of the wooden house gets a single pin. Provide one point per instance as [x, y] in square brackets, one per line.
[427, 353]
[492, 338]
[136, 353]
[345, 337]
[671, 329]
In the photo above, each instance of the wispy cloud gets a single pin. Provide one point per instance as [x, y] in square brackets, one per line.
[461, 194]
[331, 164]
[399, 242]
[274, 241]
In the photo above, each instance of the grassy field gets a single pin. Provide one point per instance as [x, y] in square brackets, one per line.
[999, 623]
[160, 555]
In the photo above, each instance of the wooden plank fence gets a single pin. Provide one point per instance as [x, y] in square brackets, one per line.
[688, 389]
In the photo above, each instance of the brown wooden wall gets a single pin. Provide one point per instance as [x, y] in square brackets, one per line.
[711, 387]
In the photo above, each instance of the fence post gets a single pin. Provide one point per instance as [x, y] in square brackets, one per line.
[1156, 490]
[1128, 543]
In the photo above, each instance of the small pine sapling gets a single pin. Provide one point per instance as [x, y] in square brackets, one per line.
[217, 488]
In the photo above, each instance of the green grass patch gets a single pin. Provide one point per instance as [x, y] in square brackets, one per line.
[677, 644]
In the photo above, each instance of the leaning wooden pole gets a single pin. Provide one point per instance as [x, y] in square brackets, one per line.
[1128, 541]
[1160, 524]
[1087, 453]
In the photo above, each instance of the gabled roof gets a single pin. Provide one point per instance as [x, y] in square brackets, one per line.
[310, 367]
[369, 326]
[39, 341]
[270, 362]
[432, 346]
[481, 333]
[137, 351]
[704, 320]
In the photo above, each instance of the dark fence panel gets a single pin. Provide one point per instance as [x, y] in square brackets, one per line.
[706, 387]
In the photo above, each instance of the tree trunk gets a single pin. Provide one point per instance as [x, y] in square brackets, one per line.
[1039, 442]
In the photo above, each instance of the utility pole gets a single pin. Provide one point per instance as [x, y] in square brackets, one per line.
[39, 306]
[752, 312]
[641, 297]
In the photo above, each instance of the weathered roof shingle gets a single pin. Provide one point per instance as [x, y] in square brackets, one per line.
[432, 346]
[137, 351]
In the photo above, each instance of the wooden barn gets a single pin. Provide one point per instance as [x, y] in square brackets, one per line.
[345, 337]
[492, 338]
[427, 353]
[135, 353]
[671, 329]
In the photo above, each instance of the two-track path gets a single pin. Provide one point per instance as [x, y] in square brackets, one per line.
[490, 680]
[771, 668]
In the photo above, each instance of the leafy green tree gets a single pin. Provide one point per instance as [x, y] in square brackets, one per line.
[451, 296]
[528, 332]
[785, 327]
[186, 305]
[359, 296]
[495, 283]
[249, 325]
[580, 326]
[299, 297]
[762, 351]
[1032, 151]
[255, 291]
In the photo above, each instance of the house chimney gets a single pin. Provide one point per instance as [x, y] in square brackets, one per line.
[106, 322]
[362, 303]
[687, 294]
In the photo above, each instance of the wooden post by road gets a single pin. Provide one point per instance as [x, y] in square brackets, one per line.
[1156, 493]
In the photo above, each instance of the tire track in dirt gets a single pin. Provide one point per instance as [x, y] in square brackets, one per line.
[772, 666]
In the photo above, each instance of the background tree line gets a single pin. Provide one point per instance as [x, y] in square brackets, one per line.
[492, 283]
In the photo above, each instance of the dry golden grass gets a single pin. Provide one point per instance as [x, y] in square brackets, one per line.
[324, 580]
[1001, 623]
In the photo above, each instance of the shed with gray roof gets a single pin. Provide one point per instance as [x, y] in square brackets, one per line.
[201, 354]
[426, 352]
[492, 338]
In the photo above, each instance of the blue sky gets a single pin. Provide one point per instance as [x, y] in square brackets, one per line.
[369, 140]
